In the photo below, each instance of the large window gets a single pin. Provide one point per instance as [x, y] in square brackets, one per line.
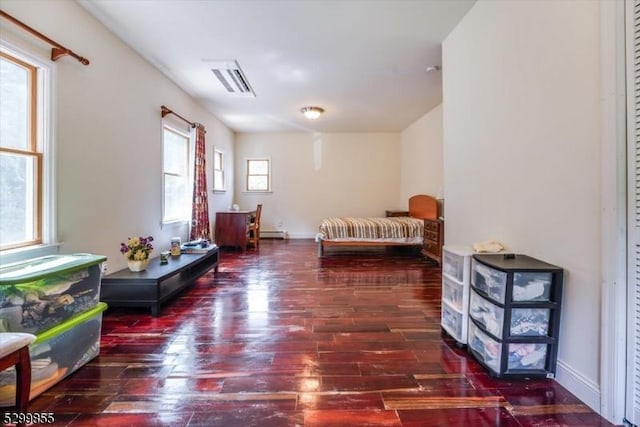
[21, 160]
[176, 178]
[258, 175]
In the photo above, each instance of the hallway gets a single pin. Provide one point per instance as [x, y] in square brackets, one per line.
[279, 337]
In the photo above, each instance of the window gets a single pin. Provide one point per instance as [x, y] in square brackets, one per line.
[21, 157]
[258, 175]
[175, 175]
[218, 170]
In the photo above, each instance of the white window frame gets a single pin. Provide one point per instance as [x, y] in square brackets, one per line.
[46, 244]
[246, 175]
[188, 135]
[218, 185]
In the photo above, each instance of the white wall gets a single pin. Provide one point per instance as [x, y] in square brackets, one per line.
[421, 157]
[108, 133]
[320, 175]
[522, 152]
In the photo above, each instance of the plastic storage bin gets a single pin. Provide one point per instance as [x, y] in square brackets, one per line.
[57, 353]
[485, 348]
[40, 293]
[488, 280]
[456, 262]
[456, 273]
[531, 286]
[530, 322]
[524, 322]
[490, 316]
[453, 293]
[451, 321]
[515, 310]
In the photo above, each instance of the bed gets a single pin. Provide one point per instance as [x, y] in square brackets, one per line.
[375, 231]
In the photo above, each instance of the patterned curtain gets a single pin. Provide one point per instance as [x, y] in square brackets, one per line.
[200, 208]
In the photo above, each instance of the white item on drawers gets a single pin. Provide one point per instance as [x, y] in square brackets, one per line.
[452, 321]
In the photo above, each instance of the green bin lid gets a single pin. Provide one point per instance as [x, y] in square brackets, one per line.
[46, 266]
[74, 321]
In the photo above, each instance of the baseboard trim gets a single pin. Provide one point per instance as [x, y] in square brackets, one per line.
[583, 388]
[301, 235]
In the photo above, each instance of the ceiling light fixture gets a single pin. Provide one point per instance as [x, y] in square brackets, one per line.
[312, 113]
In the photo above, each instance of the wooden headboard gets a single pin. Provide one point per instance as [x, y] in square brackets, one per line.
[423, 207]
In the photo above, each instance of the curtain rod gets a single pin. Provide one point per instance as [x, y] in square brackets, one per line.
[57, 51]
[165, 110]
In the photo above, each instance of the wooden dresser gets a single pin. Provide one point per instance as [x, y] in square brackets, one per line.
[232, 228]
[433, 239]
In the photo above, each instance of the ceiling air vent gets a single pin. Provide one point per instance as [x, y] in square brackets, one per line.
[232, 78]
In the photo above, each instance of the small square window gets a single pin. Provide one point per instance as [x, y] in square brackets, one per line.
[258, 175]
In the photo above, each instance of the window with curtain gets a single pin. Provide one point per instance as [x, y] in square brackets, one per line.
[21, 156]
[258, 175]
[218, 170]
[176, 177]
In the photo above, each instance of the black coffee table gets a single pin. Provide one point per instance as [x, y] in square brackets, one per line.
[158, 283]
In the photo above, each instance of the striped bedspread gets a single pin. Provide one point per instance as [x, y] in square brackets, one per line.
[372, 229]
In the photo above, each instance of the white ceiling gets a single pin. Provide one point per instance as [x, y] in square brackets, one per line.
[363, 61]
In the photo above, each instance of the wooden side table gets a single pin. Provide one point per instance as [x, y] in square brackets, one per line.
[232, 228]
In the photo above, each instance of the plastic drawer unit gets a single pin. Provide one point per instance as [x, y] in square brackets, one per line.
[58, 352]
[40, 293]
[514, 315]
[456, 273]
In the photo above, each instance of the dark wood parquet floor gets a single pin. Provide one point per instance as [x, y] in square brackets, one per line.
[279, 337]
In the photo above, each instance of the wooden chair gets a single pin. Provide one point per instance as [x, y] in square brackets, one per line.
[254, 228]
[14, 351]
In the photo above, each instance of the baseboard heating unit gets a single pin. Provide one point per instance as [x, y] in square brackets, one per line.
[273, 234]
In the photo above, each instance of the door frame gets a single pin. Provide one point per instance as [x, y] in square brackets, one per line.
[613, 334]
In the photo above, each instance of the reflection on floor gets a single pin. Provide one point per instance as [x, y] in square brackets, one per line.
[281, 338]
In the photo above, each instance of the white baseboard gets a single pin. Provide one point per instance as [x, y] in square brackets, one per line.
[583, 388]
[301, 235]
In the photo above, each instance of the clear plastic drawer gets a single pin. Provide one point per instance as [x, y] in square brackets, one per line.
[453, 293]
[453, 265]
[528, 356]
[489, 315]
[58, 352]
[525, 322]
[531, 286]
[490, 281]
[530, 322]
[486, 348]
[452, 321]
[40, 293]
